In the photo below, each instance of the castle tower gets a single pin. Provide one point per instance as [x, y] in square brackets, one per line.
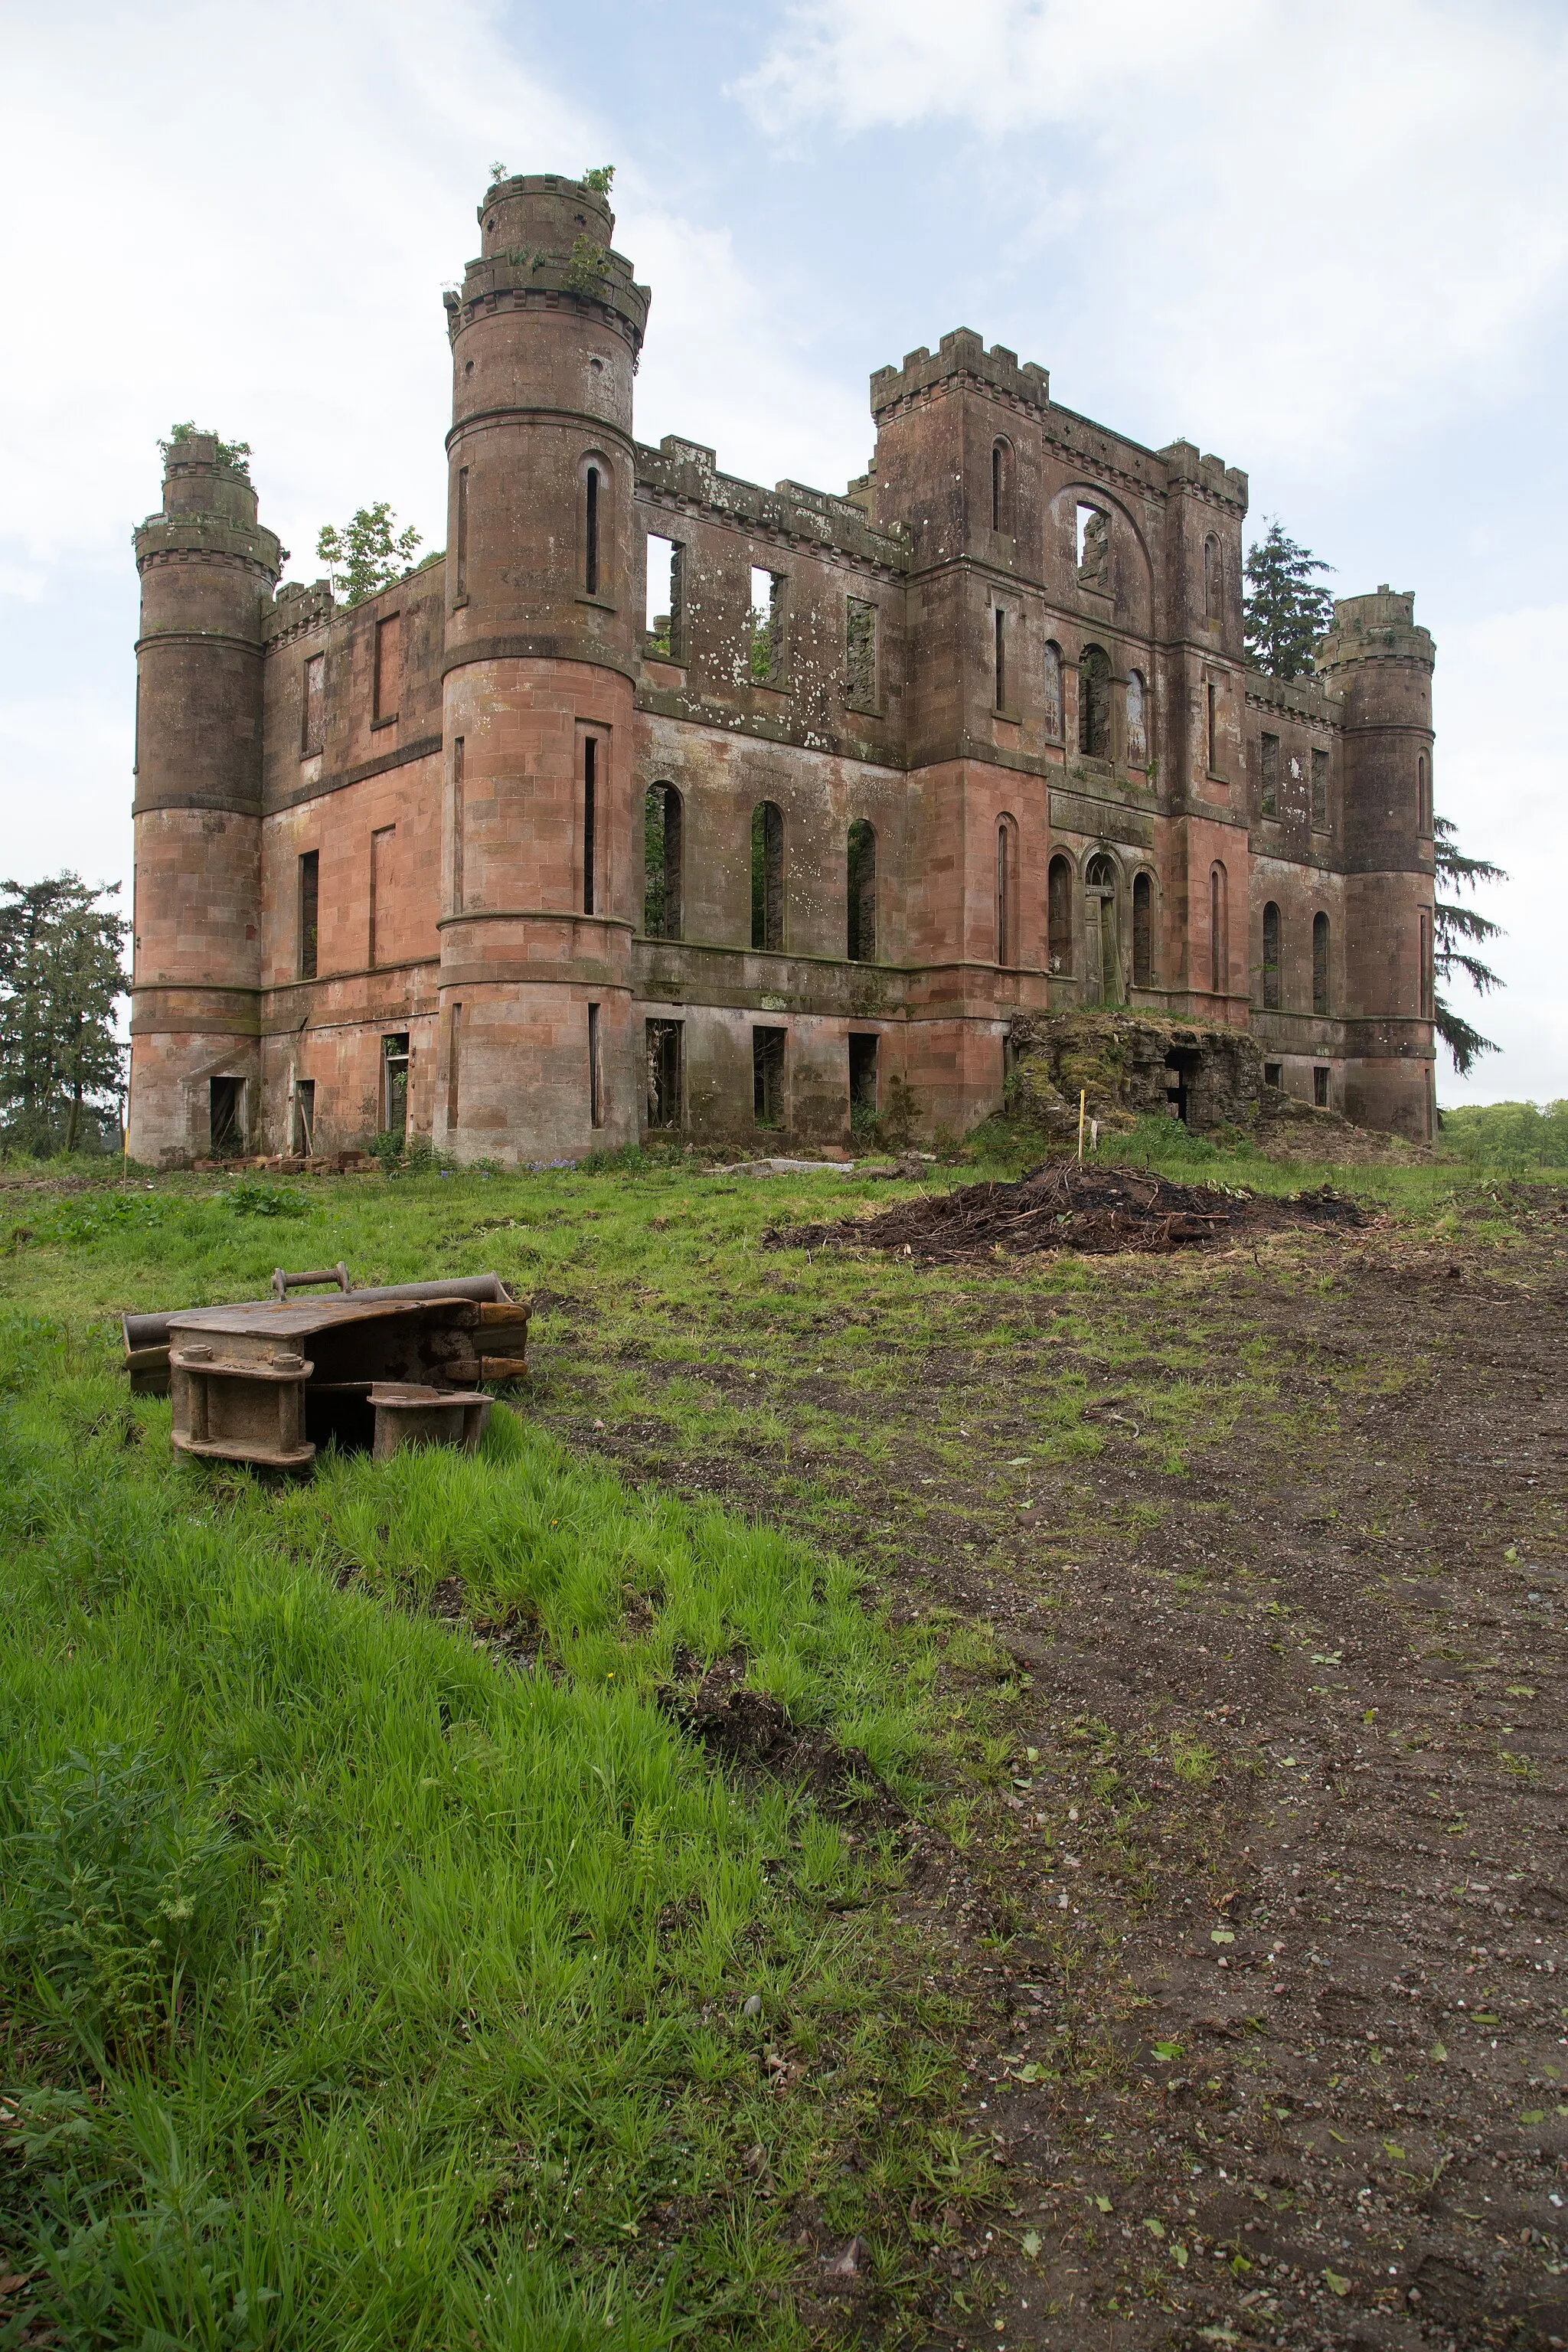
[1380, 663]
[206, 568]
[542, 879]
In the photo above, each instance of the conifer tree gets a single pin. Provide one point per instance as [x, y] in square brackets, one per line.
[1454, 925]
[62, 1063]
[1285, 613]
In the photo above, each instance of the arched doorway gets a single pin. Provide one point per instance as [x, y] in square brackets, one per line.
[1102, 939]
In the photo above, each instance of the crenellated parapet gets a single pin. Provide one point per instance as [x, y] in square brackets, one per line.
[686, 476]
[1378, 627]
[298, 612]
[961, 356]
[1185, 470]
[547, 244]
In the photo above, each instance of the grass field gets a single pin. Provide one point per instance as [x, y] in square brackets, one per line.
[383, 1963]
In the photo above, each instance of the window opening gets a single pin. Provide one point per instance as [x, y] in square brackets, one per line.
[661, 862]
[224, 1126]
[305, 1117]
[1423, 794]
[767, 876]
[1268, 789]
[313, 728]
[1000, 618]
[1058, 917]
[1320, 963]
[768, 1076]
[381, 842]
[1320, 787]
[767, 625]
[1142, 932]
[1094, 550]
[862, 877]
[1321, 1086]
[1102, 940]
[1007, 891]
[664, 589]
[590, 812]
[1214, 580]
[859, 653]
[862, 1083]
[457, 844]
[1052, 684]
[1425, 975]
[590, 530]
[388, 669]
[1094, 703]
[309, 903]
[1271, 957]
[454, 1060]
[1274, 1074]
[595, 1082]
[1137, 721]
[662, 1045]
[1211, 698]
[1002, 488]
[462, 566]
[394, 1087]
[1219, 944]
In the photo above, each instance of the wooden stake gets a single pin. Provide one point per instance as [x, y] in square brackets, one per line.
[1082, 1099]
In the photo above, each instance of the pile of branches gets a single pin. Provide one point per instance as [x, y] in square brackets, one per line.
[1063, 1206]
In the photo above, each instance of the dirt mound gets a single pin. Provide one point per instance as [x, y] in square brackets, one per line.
[1063, 1206]
[750, 1731]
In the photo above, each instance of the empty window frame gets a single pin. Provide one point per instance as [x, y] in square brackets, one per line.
[460, 540]
[307, 919]
[304, 1116]
[459, 845]
[1137, 721]
[1320, 963]
[768, 1077]
[663, 1054]
[314, 716]
[1320, 787]
[1423, 794]
[454, 1063]
[1423, 949]
[1002, 487]
[590, 824]
[1007, 891]
[226, 1116]
[1214, 580]
[666, 580]
[388, 680]
[862, 1081]
[1271, 957]
[1219, 931]
[1051, 688]
[1274, 1074]
[1094, 550]
[1210, 726]
[596, 482]
[862, 892]
[1269, 776]
[595, 1071]
[381, 924]
[765, 642]
[1059, 917]
[767, 876]
[1094, 703]
[859, 653]
[661, 862]
[999, 655]
[395, 1059]
[1143, 930]
[1321, 1086]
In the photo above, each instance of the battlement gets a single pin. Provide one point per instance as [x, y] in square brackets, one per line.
[297, 612]
[1183, 464]
[1305, 699]
[687, 473]
[961, 354]
[1378, 627]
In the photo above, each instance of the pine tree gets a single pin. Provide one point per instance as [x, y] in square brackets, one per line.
[364, 557]
[1452, 925]
[62, 1063]
[1285, 614]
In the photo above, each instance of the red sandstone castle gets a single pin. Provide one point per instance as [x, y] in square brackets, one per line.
[518, 857]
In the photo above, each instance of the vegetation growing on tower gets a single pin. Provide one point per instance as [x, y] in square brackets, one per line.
[364, 556]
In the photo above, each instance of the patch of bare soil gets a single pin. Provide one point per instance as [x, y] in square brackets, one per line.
[1060, 1205]
[750, 1732]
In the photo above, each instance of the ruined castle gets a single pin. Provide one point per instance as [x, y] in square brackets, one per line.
[661, 801]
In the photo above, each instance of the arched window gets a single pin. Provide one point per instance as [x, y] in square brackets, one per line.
[1320, 963]
[1143, 930]
[1053, 691]
[1094, 703]
[596, 522]
[1137, 721]
[1102, 945]
[1423, 794]
[1001, 485]
[1271, 957]
[1219, 932]
[862, 892]
[661, 863]
[767, 876]
[1059, 917]
[1007, 891]
[1214, 580]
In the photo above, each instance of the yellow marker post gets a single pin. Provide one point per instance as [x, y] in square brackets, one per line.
[1082, 1099]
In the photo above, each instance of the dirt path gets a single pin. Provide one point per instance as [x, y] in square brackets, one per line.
[1268, 1929]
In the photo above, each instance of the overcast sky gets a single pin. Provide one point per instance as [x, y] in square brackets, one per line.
[1330, 245]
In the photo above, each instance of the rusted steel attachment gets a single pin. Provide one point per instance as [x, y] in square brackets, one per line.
[146, 1337]
[407, 1414]
[239, 1396]
[282, 1283]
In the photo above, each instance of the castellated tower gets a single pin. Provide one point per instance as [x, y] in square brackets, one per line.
[543, 866]
[207, 571]
[1379, 662]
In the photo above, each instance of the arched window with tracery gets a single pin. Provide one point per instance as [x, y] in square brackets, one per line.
[1271, 957]
[1094, 703]
[1059, 917]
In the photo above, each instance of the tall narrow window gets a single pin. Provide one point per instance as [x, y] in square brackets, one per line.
[458, 843]
[766, 647]
[1094, 703]
[1094, 550]
[862, 1081]
[590, 530]
[226, 1115]
[1102, 929]
[1219, 932]
[768, 1077]
[1423, 794]
[1002, 487]
[1006, 892]
[661, 862]
[665, 582]
[305, 1117]
[388, 678]
[662, 1045]
[595, 1079]
[1211, 716]
[1268, 773]
[313, 724]
[1000, 619]
[1059, 917]
[859, 653]
[590, 815]
[767, 876]
[1321, 1086]
[862, 882]
[1271, 957]
[394, 1058]
[1320, 963]
[1051, 683]
[1142, 932]
[381, 925]
[309, 914]
[454, 1061]
[1425, 951]
[1137, 721]
[1214, 580]
[462, 536]
[1320, 788]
